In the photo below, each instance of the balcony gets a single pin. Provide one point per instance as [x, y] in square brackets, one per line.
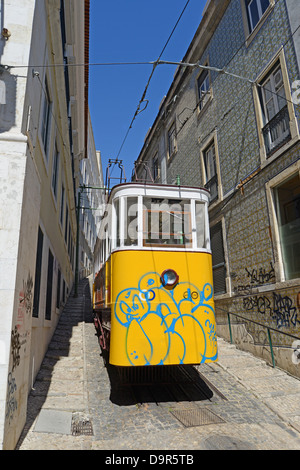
[212, 186]
[277, 131]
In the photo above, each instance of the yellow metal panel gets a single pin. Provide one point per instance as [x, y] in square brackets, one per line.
[154, 325]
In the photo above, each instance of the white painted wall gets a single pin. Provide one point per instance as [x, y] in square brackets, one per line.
[15, 215]
[26, 199]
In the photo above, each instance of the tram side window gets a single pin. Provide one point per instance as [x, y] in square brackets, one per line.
[200, 224]
[117, 207]
[167, 222]
[131, 221]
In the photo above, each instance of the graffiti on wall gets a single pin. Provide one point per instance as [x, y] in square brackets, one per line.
[254, 278]
[161, 324]
[261, 276]
[25, 299]
[11, 401]
[19, 335]
[280, 308]
[15, 348]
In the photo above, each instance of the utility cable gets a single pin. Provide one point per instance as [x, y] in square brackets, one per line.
[155, 64]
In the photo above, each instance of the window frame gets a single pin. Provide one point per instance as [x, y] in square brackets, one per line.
[49, 285]
[38, 271]
[277, 60]
[268, 87]
[274, 226]
[203, 151]
[172, 140]
[62, 204]
[46, 117]
[251, 33]
[155, 167]
[259, 10]
[55, 170]
[66, 224]
[205, 99]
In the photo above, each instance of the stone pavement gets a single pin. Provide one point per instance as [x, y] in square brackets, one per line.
[76, 403]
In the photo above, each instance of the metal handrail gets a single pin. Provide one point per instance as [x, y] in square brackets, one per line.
[269, 329]
[281, 117]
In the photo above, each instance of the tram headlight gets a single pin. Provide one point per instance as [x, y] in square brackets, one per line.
[169, 278]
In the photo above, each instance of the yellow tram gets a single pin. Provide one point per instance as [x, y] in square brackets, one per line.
[153, 293]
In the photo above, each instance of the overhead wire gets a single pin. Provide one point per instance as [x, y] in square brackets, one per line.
[155, 64]
[251, 81]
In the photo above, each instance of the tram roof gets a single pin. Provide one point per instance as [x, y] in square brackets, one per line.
[137, 188]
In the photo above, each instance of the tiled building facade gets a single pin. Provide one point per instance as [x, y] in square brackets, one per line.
[237, 133]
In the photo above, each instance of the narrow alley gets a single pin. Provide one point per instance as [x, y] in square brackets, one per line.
[78, 402]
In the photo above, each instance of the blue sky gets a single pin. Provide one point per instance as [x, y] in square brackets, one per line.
[133, 31]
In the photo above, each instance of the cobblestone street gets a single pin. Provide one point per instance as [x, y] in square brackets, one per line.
[79, 403]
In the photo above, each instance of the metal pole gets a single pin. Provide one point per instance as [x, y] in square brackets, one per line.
[77, 246]
[229, 324]
[271, 347]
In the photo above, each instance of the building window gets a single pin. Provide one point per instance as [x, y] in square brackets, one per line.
[203, 89]
[49, 286]
[58, 288]
[64, 291]
[46, 118]
[172, 143]
[155, 167]
[55, 170]
[62, 203]
[255, 10]
[287, 205]
[66, 224]
[38, 272]
[218, 259]
[210, 170]
[274, 110]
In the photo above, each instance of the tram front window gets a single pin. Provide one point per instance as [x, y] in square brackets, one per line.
[167, 222]
[131, 221]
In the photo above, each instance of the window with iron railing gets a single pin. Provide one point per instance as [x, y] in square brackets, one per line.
[275, 114]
